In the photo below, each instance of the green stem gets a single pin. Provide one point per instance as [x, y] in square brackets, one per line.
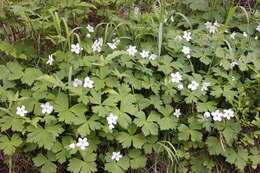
[10, 164]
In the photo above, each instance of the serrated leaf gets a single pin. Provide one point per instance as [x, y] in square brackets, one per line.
[30, 75]
[9, 146]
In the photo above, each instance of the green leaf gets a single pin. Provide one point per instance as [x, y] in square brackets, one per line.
[87, 165]
[90, 125]
[118, 167]
[9, 146]
[9, 122]
[126, 140]
[238, 158]
[30, 75]
[137, 160]
[214, 146]
[167, 123]
[208, 106]
[44, 137]
[46, 165]
[11, 50]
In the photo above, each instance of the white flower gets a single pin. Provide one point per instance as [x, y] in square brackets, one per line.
[136, 10]
[131, 50]
[75, 48]
[186, 50]
[116, 156]
[144, 54]
[116, 40]
[256, 37]
[88, 35]
[212, 27]
[180, 87]
[245, 34]
[82, 143]
[72, 146]
[77, 83]
[216, 24]
[207, 114]
[176, 77]
[228, 113]
[193, 85]
[50, 60]
[90, 28]
[112, 120]
[208, 24]
[188, 56]
[178, 38]
[233, 64]
[47, 108]
[88, 83]
[96, 47]
[217, 115]
[152, 57]
[112, 45]
[172, 19]
[187, 35]
[258, 28]
[233, 35]
[205, 86]
[177, 113]
[21, 111]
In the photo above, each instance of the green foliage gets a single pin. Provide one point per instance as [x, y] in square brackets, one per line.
[82, 107]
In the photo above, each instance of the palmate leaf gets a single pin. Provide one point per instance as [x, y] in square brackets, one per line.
[44, 137]
[118, 167]
[30, 75]
[137, 159]
[148, 125]
[89, 125]
[186, 132]
[87, 165]
[46, 164]
[127, 140]
[9, 146]
[238, 158]
[13, 123]
[214, 146]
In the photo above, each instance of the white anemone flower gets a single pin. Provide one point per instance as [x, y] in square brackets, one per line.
[144, 54]
[50, 60]
[90, 28]
[96, 47]
[193, 85]
[21, 111]
[72, 146]
[47, 108]
[112, 120]
[88, 83]
[152, 57]
[82, 143]
[131, 50]
[77, 83]
[207, 114]
[75, 48]
[233, 35]
[205, 86]
[116, 156]
[176, 77]
[186, 50]
[228, 113]
[180, 87]
[187, 35]
[258, 28]
[177, 113]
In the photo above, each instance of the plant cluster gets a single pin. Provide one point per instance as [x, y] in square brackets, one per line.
[160, 86]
